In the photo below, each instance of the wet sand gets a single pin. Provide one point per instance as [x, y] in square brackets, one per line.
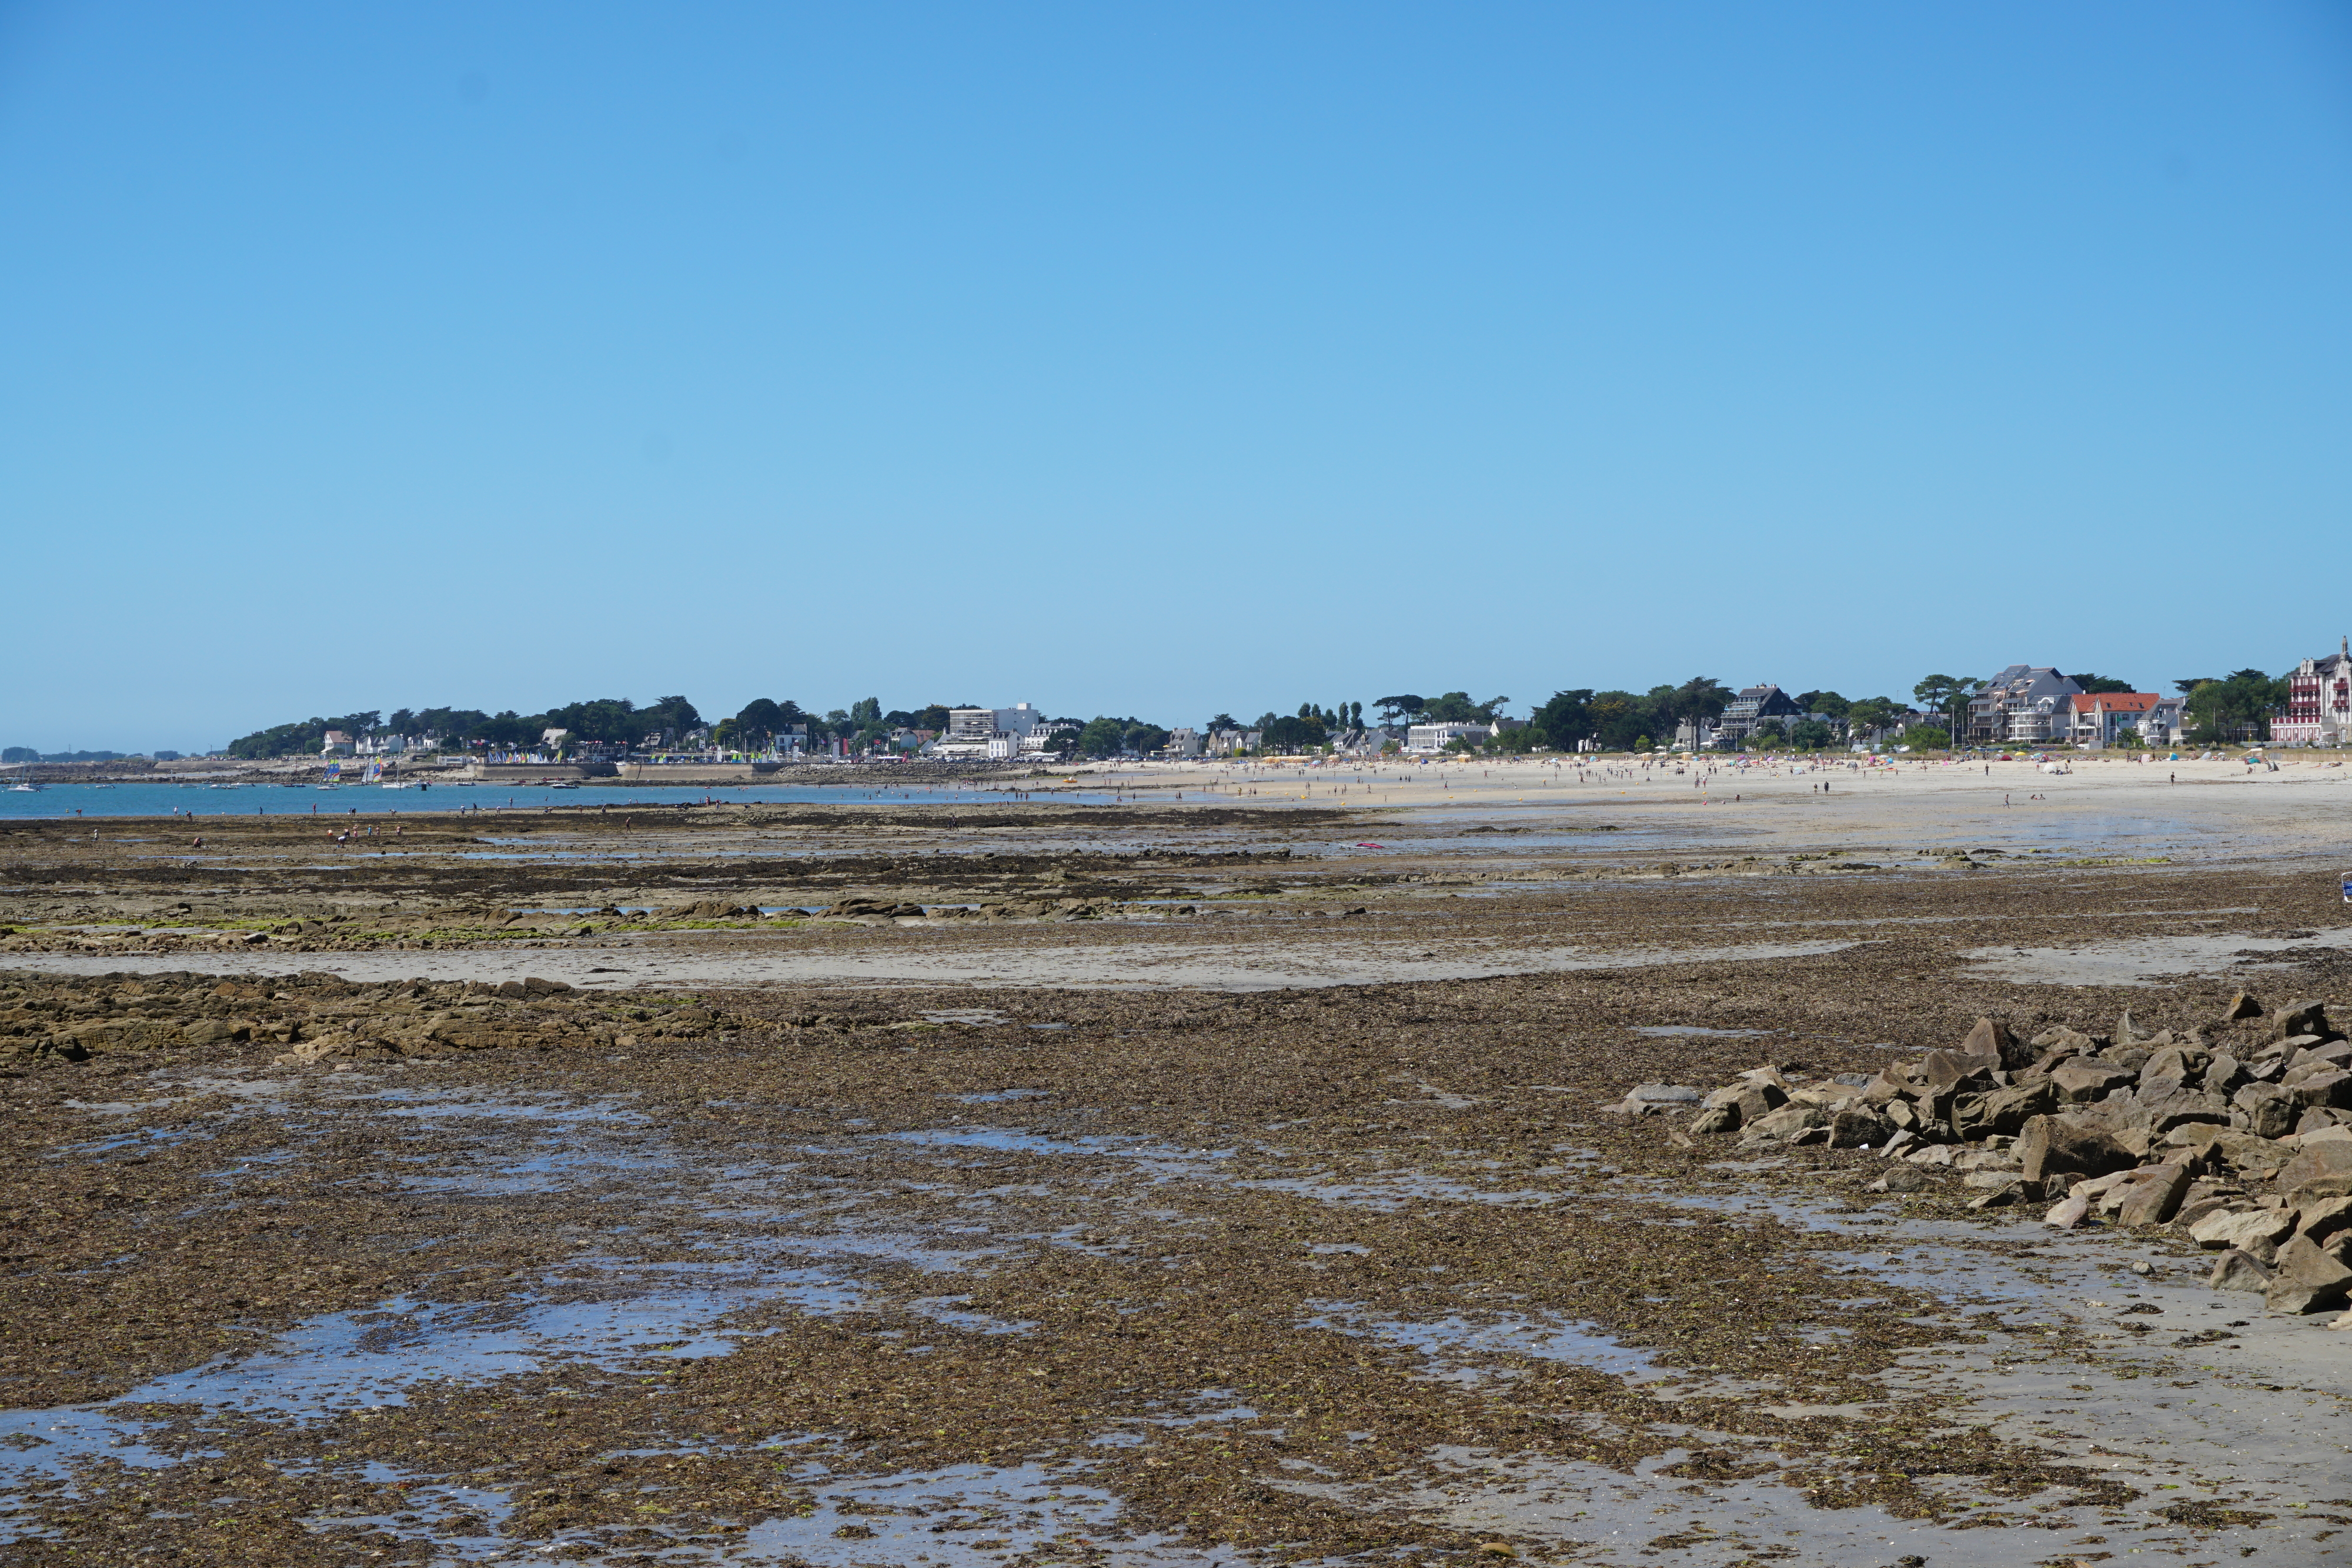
[1165, 1183]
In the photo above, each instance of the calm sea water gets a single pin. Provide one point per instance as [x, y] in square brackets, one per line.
[371, 800]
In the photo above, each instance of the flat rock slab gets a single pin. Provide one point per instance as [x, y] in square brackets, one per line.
[1129, 963]
[2135, 961]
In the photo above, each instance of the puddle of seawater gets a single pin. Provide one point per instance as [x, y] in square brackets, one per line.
[427, 1103]
[1012, 1140]
[460, 1522]
[964, 1516]
[1381, 1192]
[2044, 1277]
[137, 1138]
[1646, 1516]
[361, 1359]
[948, 1310]
[1448, 1340]
[1206, 1407]
[50, 1443]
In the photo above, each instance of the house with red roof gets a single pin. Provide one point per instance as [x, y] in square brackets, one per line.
[2100, 718]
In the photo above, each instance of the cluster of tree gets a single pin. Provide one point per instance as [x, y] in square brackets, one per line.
[1312, 726]
[1105, 737]
[1618, 721]
[933, 718]
[612, 720]
[1292, 732]
[2234, 707]
[764, 723]
[301, 738]
[1629, 721]
[1452, 707]
[1858, 716]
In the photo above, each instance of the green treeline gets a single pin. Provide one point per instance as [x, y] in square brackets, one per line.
[611, 720]
[2236, 707]
[615, 721]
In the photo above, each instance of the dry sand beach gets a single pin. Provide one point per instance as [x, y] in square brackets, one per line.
[1242, 1178]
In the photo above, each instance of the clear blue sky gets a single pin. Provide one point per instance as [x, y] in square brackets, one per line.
[1156, 358]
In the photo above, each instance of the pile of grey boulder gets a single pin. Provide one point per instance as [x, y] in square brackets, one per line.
[2237, 1133]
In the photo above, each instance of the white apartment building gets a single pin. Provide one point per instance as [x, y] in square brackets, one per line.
[1436, 736]
[992, 732]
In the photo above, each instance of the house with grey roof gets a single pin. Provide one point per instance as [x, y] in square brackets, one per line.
[1745, 713]
[2025, 705]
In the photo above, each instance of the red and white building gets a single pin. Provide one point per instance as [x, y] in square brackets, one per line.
[2318, 702]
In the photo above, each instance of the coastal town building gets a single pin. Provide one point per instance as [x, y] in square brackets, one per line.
[1748, 712]
[1047, 737]
[969, 723]
[1183, 743]
[2023, 704]
[2099, 719]
[1863, 738]
[1835, 724]
[383, 743]
[2319, 702]
[2041, 720]
[337, 743]
[998, 732]
[1369, 741]
[1437, 737]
